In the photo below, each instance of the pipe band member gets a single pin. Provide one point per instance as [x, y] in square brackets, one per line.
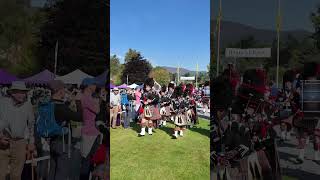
[151, 114]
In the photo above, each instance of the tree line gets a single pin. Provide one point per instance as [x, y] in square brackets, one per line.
[136, 69]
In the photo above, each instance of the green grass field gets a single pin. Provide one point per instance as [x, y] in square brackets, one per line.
[160, 157]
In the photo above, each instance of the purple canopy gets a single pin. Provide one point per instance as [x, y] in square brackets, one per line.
[40, 78]
[112, 86]
[6, 78]
[123, 86]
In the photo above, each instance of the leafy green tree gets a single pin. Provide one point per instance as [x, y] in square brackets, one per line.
[116, 69]
[81, 29]
[132, 55]
[18, 37]
[136, 70]
[161, 75]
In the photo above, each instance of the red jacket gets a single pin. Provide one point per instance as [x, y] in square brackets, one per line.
[100, 156]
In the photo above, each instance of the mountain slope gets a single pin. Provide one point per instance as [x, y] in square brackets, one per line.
[232, 32]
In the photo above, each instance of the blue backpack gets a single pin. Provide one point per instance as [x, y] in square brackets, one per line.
[124, 99]
[46, 122]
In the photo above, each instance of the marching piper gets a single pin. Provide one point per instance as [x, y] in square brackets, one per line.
[179, 106]
[150, 114]
[165, 103]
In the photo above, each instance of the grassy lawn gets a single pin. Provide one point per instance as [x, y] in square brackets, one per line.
[158, 156]
[288, 178]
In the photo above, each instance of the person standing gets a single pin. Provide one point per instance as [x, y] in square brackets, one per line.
[115, 101]
[61, 163]
[151, 113]
[137, 95]
[90, 135]
[17, 130]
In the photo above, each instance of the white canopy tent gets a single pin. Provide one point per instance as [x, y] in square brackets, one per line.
[133, 86]
[74, 77]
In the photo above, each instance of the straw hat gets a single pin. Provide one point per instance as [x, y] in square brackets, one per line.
[19, 86]
[115, 89]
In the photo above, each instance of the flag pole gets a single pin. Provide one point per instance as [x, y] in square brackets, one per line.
[127, 79]
[56, 58]
[197, 69]
[219, 28]
[278, 38]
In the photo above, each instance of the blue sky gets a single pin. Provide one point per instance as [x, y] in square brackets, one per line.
[166, 32]
[262, 13]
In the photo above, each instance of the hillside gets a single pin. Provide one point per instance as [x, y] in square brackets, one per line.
[232, 32]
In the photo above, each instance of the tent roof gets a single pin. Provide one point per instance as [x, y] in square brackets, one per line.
[102, 78]
[123, 86]
[74, 77]
[41, 78]
[133, 86]
[6, 78]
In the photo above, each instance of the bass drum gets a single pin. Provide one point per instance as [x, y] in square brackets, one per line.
[310, 105]
[310, 98]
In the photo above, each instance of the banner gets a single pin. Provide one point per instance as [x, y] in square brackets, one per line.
[248, 53]
[187, 78]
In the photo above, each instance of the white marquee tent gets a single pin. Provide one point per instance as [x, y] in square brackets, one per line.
[133, 86]
[74, 77]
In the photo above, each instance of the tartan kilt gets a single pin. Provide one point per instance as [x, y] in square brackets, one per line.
[183, 121]
[155, 114]
[166, 111]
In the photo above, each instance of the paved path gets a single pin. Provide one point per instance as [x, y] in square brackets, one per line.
[203, 115]
[288, 152]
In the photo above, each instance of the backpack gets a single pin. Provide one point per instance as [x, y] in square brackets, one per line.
[124, 99]
[46, 123]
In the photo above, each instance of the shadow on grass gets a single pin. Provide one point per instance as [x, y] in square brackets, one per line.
[204, 132]
[167, 129]
[136, 127]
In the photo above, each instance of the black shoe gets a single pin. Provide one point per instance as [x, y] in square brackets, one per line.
[139, 135]
[299, 161]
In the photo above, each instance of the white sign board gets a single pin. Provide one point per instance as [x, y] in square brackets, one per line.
[188, 78]
[248, 53]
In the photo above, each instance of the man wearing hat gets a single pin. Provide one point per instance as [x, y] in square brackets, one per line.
[115, 102]
[61, 164]
[16, 130]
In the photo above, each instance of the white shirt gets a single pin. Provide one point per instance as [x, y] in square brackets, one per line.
[19, 120]
[115, 100]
